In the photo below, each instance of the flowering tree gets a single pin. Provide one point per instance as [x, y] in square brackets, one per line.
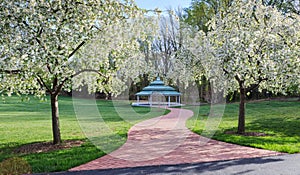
[42, 45]
[252, 46]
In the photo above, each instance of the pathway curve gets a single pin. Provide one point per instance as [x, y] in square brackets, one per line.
[165, 140]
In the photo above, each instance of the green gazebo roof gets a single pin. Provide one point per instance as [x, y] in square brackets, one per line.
[158, 86]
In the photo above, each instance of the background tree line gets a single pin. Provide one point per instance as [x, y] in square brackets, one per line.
[169, 46]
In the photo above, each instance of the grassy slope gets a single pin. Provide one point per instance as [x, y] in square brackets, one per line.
[27, 122]
[281, 120]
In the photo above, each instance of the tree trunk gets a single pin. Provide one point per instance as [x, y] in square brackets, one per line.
[241, 124]
[55, 119]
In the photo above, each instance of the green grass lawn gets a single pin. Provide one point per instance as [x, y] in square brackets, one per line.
[28, 122]
[279, 120]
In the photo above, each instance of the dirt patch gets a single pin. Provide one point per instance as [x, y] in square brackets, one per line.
[255, 134]
[47, 146]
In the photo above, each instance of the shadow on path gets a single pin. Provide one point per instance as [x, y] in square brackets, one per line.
[232, 167]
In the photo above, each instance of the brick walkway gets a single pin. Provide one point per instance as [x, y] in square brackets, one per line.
[165, 141]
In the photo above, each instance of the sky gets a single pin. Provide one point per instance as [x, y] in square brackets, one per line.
[163, 4]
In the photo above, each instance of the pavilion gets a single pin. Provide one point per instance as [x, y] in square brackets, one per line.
[157, 90]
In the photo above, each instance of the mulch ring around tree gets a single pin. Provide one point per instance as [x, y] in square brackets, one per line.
[47, 146]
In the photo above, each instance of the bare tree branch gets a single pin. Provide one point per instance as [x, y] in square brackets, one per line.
[10, 71]
[77, 48]
[42, 83]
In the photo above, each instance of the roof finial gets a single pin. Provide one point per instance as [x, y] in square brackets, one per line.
[158, 78]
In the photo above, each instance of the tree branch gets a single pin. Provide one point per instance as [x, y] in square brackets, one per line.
[49, 68]
[83, 42]
[42, 83]
[77, 48]
[260, 47]
[254, 86]
[76, 74]
[88, 70]
[226, 72]
[10, 71]
[58, 88]
[241, 82]
[285, 42]
[28, 26]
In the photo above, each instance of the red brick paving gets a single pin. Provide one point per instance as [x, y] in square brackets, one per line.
[164, 141]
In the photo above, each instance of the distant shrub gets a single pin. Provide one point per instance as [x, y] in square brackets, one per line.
[14, 166]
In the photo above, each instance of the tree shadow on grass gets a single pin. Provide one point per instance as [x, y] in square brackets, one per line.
[280, 126]
[282, 134]
[60, 160]
[55, 160]
[6, 150]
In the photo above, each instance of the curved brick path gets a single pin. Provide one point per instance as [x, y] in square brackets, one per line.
[165, 141]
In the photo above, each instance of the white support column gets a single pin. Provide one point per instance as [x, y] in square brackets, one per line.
[176, 99]
[169, 101]
[150, 100]
[179, 99]
[138, 100]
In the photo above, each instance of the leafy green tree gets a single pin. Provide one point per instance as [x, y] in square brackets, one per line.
[252, 46]
[286, 6]
[41, 45]
[201, 12]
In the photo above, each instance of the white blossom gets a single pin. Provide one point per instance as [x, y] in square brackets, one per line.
[253, 44]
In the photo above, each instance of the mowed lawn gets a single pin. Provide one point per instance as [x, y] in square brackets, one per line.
[26, 122]
[279, 120]
[29, 122]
